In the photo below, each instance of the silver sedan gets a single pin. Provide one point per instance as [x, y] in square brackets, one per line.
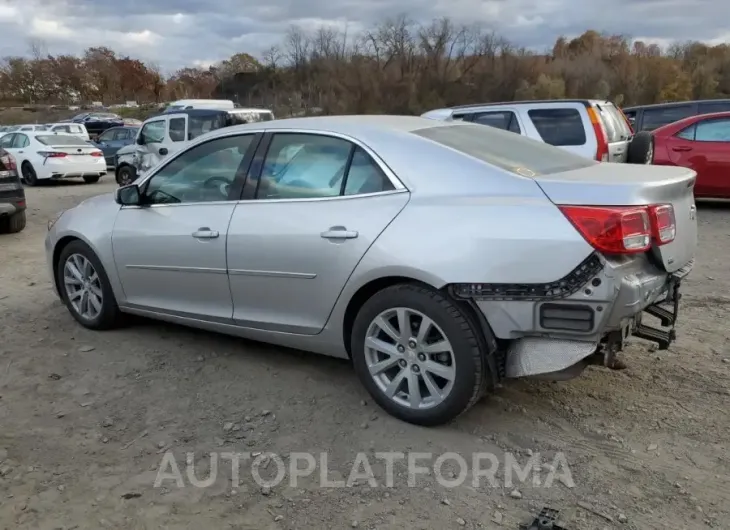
[441, 258]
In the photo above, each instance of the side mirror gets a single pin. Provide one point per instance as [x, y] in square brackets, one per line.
[140, 139]
[128, 195]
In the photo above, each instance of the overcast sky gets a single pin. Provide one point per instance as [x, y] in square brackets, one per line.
[176, 33]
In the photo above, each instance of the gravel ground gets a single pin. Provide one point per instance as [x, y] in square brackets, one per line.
[86, 419]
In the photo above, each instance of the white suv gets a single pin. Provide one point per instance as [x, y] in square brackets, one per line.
[591, 128]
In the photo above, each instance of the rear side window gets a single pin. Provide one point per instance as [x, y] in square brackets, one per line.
[76, 128]
[713, 130]
[714, 106]
[505, 120]
[656, 117]
[560, 127]
[512, 152]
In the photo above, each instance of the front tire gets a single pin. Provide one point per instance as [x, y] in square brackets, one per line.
[13, 224]
[85, 287]
[92, 179]
[29, 175]
[418, 355]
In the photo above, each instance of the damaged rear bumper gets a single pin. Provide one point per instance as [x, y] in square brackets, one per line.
[553, 337]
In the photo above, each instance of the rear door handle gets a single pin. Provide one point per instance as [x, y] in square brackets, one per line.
[681, 148]
[339, 232]
[205, 233]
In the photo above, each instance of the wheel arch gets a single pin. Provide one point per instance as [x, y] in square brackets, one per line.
[479, 321]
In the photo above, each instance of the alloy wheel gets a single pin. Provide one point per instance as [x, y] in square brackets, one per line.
[410, 358]
[83, 286]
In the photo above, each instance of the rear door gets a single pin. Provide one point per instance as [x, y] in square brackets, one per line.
[617, 131]
[705, 147]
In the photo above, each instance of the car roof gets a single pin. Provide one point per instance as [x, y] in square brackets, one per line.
[675, 104]
[689, 120]
[358, 126]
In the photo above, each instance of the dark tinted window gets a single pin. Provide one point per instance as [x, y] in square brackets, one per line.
[504, 120]
[559, 126]
[717, 130]
[656, 117]
[714, 106]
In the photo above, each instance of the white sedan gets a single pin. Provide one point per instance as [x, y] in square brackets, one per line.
[46, 156]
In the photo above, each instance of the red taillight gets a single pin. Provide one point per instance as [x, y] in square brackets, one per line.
[9, 162]
[96, 153]
[663, 224]
[601, 136]
[52, 154]
[612, 229]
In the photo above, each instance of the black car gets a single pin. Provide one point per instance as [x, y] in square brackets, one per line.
[650, 117]
[98, 122]
[12, 196]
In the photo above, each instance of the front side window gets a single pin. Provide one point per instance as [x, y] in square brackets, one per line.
[154, 132]
[62, 128]
[7, 141]
[714, 106]
[305, 166]
[176, 129]
[204, 173]
[559, 127]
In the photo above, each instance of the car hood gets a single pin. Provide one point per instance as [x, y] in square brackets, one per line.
[99, 201]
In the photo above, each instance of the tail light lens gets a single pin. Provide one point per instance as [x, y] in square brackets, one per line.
[663, 225]
[623, 229]
[601, 136]
[52, 154]
[612, 230]
[9, 162]
[96, 153]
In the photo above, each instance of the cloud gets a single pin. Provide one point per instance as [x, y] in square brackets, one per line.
[177, 33]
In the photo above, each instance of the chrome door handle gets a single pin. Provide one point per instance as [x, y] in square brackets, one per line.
[205, 233]
[339, 232]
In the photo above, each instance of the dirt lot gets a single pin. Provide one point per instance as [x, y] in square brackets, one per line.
[86, 418]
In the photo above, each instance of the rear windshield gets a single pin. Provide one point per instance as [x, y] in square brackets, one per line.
[60, 139]
[506, 150]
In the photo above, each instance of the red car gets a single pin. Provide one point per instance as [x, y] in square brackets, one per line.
[701, 143]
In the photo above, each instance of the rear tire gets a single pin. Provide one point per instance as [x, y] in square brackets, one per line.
[13, 224]
[453, 381]
[29, 175]
[106, 314]
[641, 148]
[126, 175]
[92, 179]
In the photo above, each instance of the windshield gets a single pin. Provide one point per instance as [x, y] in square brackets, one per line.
[507, 150]
[61, 139]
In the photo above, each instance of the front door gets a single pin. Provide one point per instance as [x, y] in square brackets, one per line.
[321, 203]
[170, 252]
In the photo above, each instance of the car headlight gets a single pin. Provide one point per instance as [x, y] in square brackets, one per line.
[55, 219]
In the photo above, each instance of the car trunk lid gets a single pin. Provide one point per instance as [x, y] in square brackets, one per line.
[634, 185]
